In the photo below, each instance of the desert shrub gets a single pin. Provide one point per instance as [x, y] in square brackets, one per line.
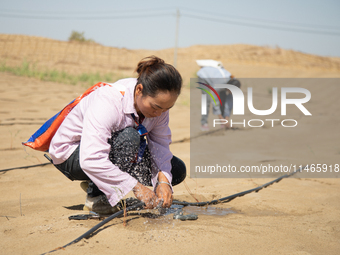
[88, 79]
[79, 37]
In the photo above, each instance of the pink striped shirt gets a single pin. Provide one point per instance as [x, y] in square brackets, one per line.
[92, 121]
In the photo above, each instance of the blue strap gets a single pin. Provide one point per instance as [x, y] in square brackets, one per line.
[142, 132]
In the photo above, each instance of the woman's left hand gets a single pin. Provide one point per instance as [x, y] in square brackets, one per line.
[163, 190]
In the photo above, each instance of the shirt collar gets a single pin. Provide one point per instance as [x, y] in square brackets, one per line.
[128, 99]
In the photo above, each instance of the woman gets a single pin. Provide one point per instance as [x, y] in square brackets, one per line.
[98, 141]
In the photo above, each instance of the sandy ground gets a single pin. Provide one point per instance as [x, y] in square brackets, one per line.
[294, 216]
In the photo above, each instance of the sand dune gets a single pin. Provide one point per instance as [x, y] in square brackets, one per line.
[294, 216]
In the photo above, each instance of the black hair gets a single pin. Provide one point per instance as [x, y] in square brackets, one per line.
[157, 76]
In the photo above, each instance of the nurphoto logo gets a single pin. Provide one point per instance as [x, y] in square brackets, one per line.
[239, 102]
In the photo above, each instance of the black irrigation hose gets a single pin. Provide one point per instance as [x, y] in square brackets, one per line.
[184, 203]
[177, 141]
[231, 197]
[89, 232]
[24, 167]
[44, 164]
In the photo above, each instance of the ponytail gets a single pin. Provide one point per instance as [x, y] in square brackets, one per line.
[157, 76]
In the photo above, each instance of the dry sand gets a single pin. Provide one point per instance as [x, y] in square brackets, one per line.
[294, 216]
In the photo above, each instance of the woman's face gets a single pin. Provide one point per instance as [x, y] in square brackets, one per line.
[153, 106]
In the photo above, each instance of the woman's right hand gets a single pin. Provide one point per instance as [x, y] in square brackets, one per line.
[146, 195]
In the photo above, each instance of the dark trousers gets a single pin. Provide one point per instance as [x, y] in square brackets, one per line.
[124, 147]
